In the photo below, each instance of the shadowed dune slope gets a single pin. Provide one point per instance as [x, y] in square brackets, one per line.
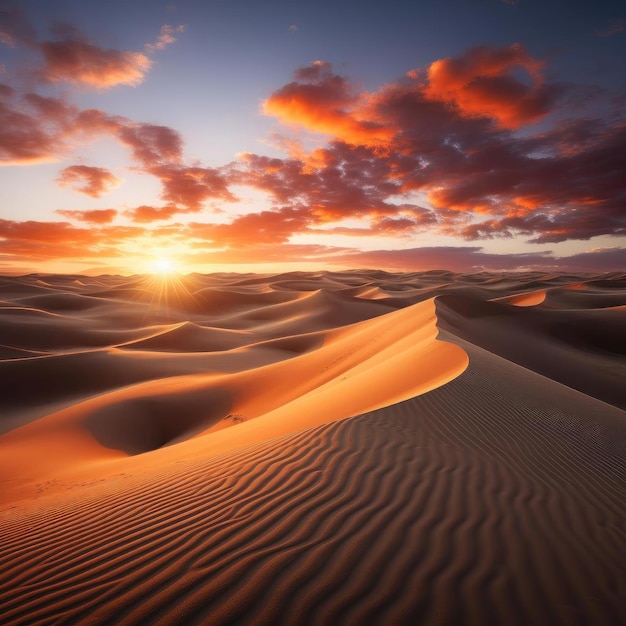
[201, 469]
[584, 349]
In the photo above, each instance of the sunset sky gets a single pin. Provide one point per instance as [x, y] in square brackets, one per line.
[246, 135]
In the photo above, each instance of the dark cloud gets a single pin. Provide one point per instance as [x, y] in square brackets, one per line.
[471, 259]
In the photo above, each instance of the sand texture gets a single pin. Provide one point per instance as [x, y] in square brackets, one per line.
[328, 448]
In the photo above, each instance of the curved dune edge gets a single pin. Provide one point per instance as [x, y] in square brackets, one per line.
[358, 368]
[531, 298]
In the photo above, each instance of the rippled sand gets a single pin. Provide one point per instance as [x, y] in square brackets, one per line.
[313, 448]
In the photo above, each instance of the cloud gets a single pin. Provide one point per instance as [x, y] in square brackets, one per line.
[263, 238]
[340, 181]
[147, 214]
[190, 187]
[92, 181]
[451, 258]
[96, 216]
[471, 259]
[158, 150]
[32, 128]
[150, 144]
[15, 27]
[437, 150]
[263, 228]
[47, 241]
[167, 36]
[324, 102]
[615, 27]
[406, 141]
[450, 134]
[482, 82]
[35, 129]
[72, 58]
[83, 63]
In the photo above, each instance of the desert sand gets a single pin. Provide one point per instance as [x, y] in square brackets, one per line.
[328, 448]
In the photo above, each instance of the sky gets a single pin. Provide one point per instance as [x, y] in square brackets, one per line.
[238, 135]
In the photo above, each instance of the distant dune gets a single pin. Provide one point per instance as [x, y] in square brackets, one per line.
[324, 448]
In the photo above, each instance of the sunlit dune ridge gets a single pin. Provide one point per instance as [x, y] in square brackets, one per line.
[329, 447]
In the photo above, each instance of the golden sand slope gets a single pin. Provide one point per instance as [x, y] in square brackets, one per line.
[497, 497]
[340, 373]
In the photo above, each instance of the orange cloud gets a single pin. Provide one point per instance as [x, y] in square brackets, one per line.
[97, 216]
[72, 58]
[266, 227]
[92, 181]
[79, 62]
[25, 241]
[482, 82]
[146, 214]
[326, 103]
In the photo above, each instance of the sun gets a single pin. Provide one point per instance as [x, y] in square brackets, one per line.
[163, 265]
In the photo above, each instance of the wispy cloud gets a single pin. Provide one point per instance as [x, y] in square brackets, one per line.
[168, 35]
[96, 216]
[615, 27]
[146, 214]
[71, 57]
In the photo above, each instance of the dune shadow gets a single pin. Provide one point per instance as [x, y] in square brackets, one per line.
[144, 424]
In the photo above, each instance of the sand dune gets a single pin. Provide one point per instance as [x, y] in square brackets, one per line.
[313, 448]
